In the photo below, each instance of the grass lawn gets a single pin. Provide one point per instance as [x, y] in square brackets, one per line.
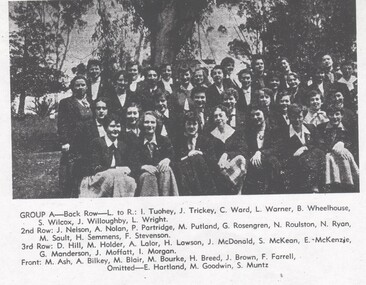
[35, 158]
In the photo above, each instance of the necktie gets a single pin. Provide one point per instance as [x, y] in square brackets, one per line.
[113, 152]
[85, 103]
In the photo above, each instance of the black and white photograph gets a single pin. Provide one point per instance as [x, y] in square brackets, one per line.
[118, 98]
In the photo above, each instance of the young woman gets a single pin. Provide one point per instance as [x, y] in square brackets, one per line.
[110, 164]
[338, 142]
[315, 116]
[155, 154]
[196, 159]
[231, 150]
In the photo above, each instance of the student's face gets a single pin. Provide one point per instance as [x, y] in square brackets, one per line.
[200, 100]
[151, 77]
[121, 82]
[335, 118]
[245, 79]
[259, 66]
[94, 71]
[80, 88]
[257, 117]
[338, 98]
[149, 124]
[274, 83]
[230, 101]
[297, 120]
[315, 102]
[264, 99]
[191, 128]
[347, 70]
[229, 69]
[198, 77]
[292, 81]
[101, 110]
[285, 66]
[132, 115]
[113, 130]
[133, 72]
[161, 104]
[220, 117]
[185, 77]
[284, 103]
[166, 73]
[319, 76]
[217, 75]
[327, 61]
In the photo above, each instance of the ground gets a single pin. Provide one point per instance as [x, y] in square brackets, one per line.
[36, 158]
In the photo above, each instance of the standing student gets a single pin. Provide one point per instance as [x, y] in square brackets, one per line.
[97, 85]
[181, 97]
[246, 92]
[200, 107]
[133, 72]
[146, 91]
[259, 75]
[295, 89]
[214, 93]
[166, 79]
[228, 65]
[72, 111]
[237, 118]
[282, 120]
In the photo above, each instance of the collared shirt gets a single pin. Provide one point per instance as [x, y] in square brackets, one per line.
[192, 141]
[109, 143]
[228, 131]
[300, 135]
[316, 118]
[84, 102]
[135, 131]
[349, 82]
[247, 95]
[220, 90]
[95, 88]
[122, 99]
[285, 117]
[100, 128]
[330, 126]
[321, 88]
[168, 85]
[163, 129]
[133, 84]
[189, 87]
[151, 144]
[232, 118]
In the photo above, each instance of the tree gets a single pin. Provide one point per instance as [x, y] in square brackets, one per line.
[39, 45]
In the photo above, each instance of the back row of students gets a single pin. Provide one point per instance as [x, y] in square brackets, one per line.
[212, 140]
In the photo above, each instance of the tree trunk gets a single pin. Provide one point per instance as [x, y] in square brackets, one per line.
[22, 103]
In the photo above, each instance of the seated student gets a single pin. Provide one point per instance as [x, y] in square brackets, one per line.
[169, 118]
[181, 97]
[110, 163]
[237, 118]
[121, 96]
[264, 100]
[337, 141]
[196, 159]
[304, 162]
[155, 153]
[349, 119]
[246, 92]
[199, 106]
[131, 131]
[263, 166]
[281, 118]
[214, 92]
[231, 150]
[315, 116]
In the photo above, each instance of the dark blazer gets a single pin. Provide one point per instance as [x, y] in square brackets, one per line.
[242, 103]
[116, 106]
[213, 97]
[105, 88]
[299, 96]
[164, 149]
[280, 121]
[241, 120]
[271, 142]
[228, 83]
[233, 146]
[172, 125]
[179, 97]
[145, 97]
[70, 114]
[259, 82]
[101, 156]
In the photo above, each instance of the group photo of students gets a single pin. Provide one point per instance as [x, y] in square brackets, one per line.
[180, 131]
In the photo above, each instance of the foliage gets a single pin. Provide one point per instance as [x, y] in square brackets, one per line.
[43, 106]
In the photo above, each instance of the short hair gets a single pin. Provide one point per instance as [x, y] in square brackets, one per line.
[118, 74]
[132, 63]
[274, 74]
[227, 60]
[104, 100]
[198, 89]
[283, 58]
[216, 67]
[283, 94]
[266, 91]
[245, 71]
[77, 77]
[255, 58]
[161, 93]
[149, 68]
[192, 116]
[221, 107]
[295, 110]
[313, 93]
[94, 61]
[231, 92]
[164, 65]
[347, 63]
[134, 105]
[294, 74]
[184, 69]
[255, 106]
[150, 113]
[332, 108]
[201, 69]
[110, 117]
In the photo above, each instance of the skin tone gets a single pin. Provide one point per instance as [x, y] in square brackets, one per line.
[257, 117]
[151, 78]
[319, 76]
[94, 72]
[220, 119]
[217, 76]
[246, 80]
[285, 66]
[230, 101]
[292, 82]
[199, 100]
[259, 66]
[315, 103]
[327, 61]
[185, 78]
[133, 72]
[296, 121]
[284, 103]
[161, 104]
[101, 110]
[121, 84]
[338, 99]
[228, 69]
[166, 73]
[149, 125]
[264, 99]
[191, 128]
[347, 71]
[80, 88]
[132, 117]
[198, 77]
[274, 83]
[335, 118]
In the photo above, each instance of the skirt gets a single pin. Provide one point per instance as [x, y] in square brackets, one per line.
[340, 170]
